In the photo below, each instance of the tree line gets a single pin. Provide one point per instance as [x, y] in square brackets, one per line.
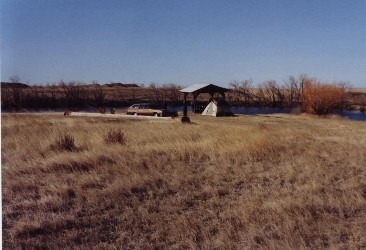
[303, 92]
[76, 95]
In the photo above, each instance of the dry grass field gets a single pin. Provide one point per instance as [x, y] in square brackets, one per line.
[246, 182]
[358, 90]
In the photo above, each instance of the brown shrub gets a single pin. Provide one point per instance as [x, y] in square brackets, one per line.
[321, 98]
[101, 110]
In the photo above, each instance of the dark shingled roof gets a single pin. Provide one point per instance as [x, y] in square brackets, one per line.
[204, 88]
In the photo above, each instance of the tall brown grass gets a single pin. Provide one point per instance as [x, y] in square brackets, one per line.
[272, 182]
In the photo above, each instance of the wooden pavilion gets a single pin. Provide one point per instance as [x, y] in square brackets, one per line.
[197, 89]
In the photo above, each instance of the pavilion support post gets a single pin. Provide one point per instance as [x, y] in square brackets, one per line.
[185, 118]
[212, 96]
[185, 105]
[195, 95]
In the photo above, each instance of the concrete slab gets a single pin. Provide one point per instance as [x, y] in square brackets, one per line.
[116, 116]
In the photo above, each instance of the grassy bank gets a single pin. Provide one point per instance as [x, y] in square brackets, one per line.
[276, 181]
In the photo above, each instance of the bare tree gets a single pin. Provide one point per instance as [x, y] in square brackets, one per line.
[235, 93]
[53, 93]
[171, 92]
[14, 79]
[344, 87]
[242, 91]
[156, 95]
[292, 89]
[74, 93]
[270, 93]
[17, 91]
[6, 97]
[98, 94]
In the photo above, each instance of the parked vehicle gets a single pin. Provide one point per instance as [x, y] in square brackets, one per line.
[149, 110]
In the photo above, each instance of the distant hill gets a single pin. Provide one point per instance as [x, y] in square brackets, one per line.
[12, 85]
[124, 85]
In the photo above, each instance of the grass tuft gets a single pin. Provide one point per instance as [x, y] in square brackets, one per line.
[64, 142]
[115, 137]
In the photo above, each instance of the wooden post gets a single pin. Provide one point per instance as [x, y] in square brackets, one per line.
[194, 102]
[212, 95]
[185, 118]
[185, 105]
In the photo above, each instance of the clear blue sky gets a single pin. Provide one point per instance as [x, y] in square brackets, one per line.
[183, 42]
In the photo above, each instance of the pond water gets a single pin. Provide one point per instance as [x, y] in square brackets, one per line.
[353, 115]
[260, 110]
